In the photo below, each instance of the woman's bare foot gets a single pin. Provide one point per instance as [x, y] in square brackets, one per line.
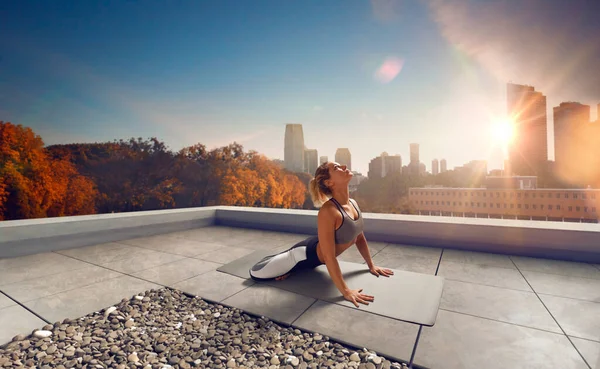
[281, 278]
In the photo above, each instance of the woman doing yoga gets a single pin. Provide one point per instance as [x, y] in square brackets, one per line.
[340, 225]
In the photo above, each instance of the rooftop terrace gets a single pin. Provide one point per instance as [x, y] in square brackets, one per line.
[518, 294]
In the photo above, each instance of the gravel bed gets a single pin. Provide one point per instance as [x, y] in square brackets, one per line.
[164, 328]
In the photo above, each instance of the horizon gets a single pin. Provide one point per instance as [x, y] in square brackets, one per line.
[425, 72]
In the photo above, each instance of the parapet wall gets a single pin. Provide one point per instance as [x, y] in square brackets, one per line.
[557, 240]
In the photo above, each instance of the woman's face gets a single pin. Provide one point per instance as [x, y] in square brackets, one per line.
[339, 174]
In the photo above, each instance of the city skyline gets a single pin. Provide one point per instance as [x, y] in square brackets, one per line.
[370, 76]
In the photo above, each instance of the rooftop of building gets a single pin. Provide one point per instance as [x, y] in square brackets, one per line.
[501, 307]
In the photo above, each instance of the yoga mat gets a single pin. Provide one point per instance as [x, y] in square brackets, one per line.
[406, 296]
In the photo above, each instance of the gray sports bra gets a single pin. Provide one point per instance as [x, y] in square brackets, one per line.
[350, 228]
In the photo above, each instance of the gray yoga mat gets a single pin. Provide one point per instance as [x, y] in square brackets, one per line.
[406, 296]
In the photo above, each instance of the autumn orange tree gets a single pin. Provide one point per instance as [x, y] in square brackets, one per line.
[35, 185]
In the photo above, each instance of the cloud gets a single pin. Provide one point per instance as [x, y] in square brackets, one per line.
[551, 45]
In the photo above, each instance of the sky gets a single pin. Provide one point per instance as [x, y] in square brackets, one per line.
[371, 76]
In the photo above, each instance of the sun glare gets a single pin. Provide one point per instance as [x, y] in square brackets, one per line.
[503, 132]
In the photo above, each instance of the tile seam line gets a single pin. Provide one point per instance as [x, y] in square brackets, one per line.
[26, 308]
[553, 317]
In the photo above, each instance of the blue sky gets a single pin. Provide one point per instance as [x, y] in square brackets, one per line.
[217, 72]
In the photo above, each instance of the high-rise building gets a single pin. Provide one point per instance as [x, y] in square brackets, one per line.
[375, 168]
[343, 157]
[435, 167]
[323, 159]
[311, 159]
[294, 148]
[414, 159]
[443, 166]
[528, 150]
[385, 165]
[422, 169]
[570, 121]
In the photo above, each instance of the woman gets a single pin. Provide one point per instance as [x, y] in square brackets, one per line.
[340, 225]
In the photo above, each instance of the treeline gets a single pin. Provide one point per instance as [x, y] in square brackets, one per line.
[133, 175]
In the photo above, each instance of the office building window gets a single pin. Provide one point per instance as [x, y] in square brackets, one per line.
[570, 208]
[484, 194]
[549, 195]
[519, 195]
[534, 206]
[448, 203]
[593, 209]
[557, 207]
[519, 206]
[585, 209]
[484, 204]
[574, 195]
[498, 206]
[497, 194]
[584, 196]
[542, 195]
[533, 195]
[437, 202]
[477, 204]
[505, 195]
[558, 196]
[504, 206]
[454, 203]
[594, 196]
[567, 196]
[577, 208]
[542, 207]
[512, 206]
[549, 207]
[526, 206]
[526, 195]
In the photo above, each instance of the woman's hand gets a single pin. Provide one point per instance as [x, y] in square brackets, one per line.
[355, 296]
[377, 271]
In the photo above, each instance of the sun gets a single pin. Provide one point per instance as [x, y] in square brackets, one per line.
[503, 131]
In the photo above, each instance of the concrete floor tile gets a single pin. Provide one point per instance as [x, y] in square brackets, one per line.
[506, 305]
[459, 341]
[479, 258]
[387, 337]
[26, 267]
[174, 245]
[565, 286]
[141, 260]
[88, 299]
[578, 318]
[171, 273]
[483, 274]
[560, 267]
[213, 285]
[590, 351]
[52, 284]
[272, 302]
[226, 254]
[5, 301]
[15, 320]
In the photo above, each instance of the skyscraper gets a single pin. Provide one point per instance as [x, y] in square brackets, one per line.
[414, 159]
[343, 157]
[323, 159]
[294, 148]
[311, 161]
[435, 167]
[385, 165]
[570, 121]
[526, 107]
[443, 166]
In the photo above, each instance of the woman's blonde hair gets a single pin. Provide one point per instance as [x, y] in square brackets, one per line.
[319, 192]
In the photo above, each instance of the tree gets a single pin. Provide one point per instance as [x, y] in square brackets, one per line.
[33, 184]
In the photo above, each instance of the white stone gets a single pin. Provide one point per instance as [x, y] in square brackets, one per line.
[139, 297]
[110, 310]
[319, 353]
[217, 314]
[231, 363]
[42, 334]
[355, 357]
[374, 358]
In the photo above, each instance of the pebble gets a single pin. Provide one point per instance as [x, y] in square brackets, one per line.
[164, 329]
[42, 334]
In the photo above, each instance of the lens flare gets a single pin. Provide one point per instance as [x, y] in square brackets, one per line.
[389, 70]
